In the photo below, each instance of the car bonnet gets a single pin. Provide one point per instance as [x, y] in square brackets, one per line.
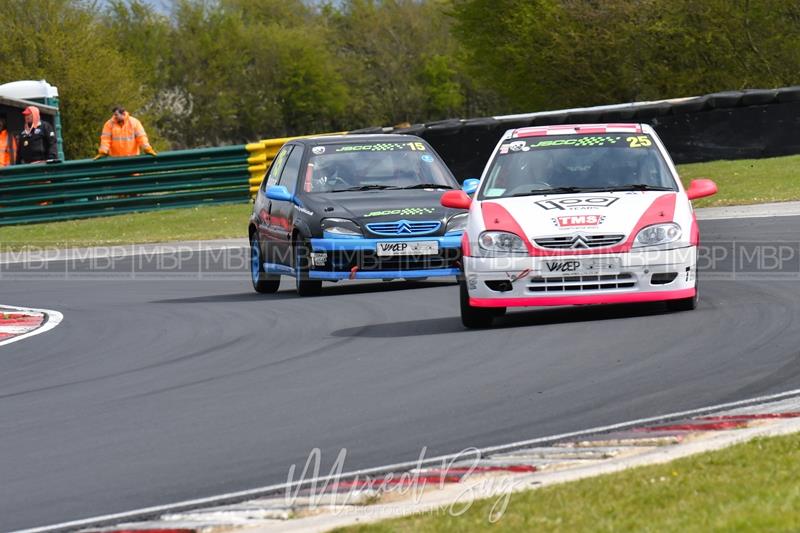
[591, 213]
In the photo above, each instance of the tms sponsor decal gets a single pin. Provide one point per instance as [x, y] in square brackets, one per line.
[577, 202]
[406, 211]
[577, 221]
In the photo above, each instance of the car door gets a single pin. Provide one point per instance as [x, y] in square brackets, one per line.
[281, 212]
[263, 204]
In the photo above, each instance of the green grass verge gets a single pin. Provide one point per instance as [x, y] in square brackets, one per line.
[207, 222]
[749, 487]
[746, 181]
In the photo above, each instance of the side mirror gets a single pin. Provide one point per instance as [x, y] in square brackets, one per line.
[280, 193]
[470, 185]
[701, 188]
[456, 200]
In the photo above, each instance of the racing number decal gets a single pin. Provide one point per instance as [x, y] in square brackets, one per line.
[642, 141]
[417, 146]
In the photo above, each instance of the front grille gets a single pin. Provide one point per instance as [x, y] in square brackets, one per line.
[579, 241]
[404, 227]
[581, 283]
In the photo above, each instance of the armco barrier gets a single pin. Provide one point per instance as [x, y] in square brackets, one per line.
[261, 155]
[109, 186]
[752, 123]
[727, 125]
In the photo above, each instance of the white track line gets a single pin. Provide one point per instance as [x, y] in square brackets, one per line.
[397, 466]
[52, 319]
[769, 210]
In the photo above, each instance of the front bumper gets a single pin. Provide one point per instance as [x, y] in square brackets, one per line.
[643, 276]
[357, 258]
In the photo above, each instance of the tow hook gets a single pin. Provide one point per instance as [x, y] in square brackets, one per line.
[521, 275]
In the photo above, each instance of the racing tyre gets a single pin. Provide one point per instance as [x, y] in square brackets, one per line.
[263, 283]
[302, 264]
[685, 304]
[474, 317]
[499, 311]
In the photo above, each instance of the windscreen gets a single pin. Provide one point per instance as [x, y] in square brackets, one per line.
[365, 166]
[577, 163]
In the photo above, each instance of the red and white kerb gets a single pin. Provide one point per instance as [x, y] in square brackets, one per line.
[17, 323]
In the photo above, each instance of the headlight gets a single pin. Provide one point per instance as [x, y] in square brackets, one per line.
[657, 234]
[341, 227]
[457, 223]
[501, 243]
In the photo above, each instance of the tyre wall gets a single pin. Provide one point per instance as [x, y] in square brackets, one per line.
[728, 125]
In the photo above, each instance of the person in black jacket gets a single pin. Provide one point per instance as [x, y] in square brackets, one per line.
[37, 141]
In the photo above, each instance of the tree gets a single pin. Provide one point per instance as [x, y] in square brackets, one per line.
[62, 41]
[238, 71]
[550, 54]
[399, 59]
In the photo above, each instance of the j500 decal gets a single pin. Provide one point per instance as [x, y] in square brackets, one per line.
[577, 141]
[382, 147]
[406, 211]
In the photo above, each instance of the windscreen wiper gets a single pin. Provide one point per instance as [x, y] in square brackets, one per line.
[640, 187]
[557, 190]
[427, 186]
[364, 188]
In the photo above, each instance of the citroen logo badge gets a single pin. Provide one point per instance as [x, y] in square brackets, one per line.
[404, 227]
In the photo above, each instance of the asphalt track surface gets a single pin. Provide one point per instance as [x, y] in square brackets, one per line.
[151, 392]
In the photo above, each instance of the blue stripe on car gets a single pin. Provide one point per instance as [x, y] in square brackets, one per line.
[451, 240]
[274, 268]
[385, 274]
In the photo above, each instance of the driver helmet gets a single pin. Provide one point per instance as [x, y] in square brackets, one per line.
[328, 172]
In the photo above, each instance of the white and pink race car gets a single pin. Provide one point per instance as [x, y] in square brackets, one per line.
[575, 215]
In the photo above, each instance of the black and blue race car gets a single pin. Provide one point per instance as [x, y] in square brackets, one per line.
[344, 207]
